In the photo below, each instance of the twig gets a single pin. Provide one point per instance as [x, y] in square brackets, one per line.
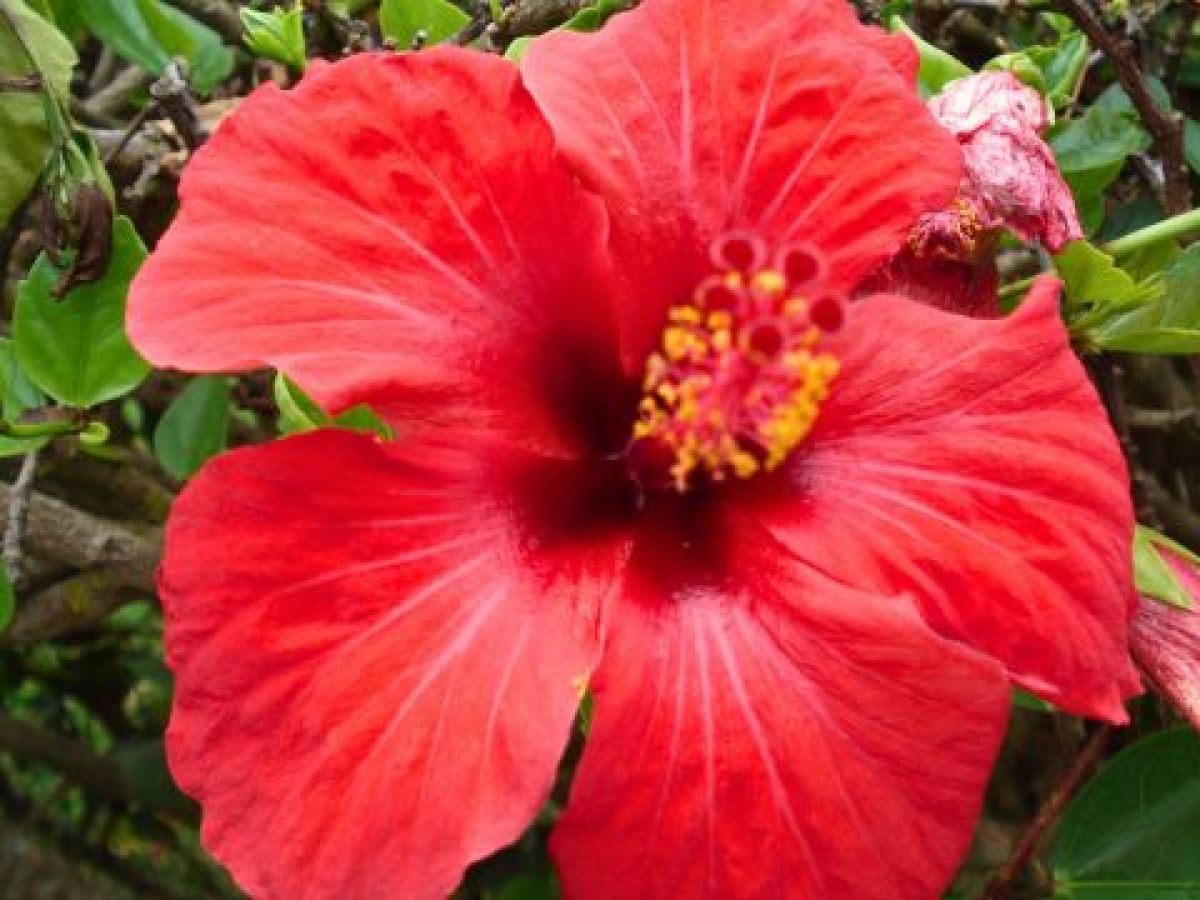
[128, 134]
[999, 888]
[109, 101]
[1165, 126]
[22, 84]
[18, 515]
[173, 97]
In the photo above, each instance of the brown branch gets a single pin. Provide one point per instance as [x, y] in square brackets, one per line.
[78, 762]
[1165, 126]
[529, 17]
[73, 604]
[1000, 887]
[62, 533]
[219, 15]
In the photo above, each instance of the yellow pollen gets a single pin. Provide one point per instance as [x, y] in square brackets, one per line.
[733, 391]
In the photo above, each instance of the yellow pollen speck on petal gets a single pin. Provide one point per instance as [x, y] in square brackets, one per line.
[734, 390]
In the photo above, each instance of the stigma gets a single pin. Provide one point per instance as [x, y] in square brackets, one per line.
[738, 382]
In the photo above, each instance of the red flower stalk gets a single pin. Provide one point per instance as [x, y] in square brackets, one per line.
[1011, 183]
[1165, 641]
[797, 550]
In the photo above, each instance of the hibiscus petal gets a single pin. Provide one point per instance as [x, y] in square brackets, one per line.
[778, 735]
[374, 681]
[1165, 641]
[395, 222]
[783, 119]
[970, 464]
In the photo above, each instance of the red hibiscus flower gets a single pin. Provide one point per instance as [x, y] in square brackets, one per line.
[797, 550]
[1011, 182]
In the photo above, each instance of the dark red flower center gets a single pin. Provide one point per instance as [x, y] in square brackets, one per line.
[740, 377]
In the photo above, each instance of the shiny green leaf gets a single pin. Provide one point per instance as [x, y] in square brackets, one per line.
[17, 393]
[1166, 322]
[195, 426]
[29, 47]
[1132, 832]
[75, 348]
[277, 35]
[593, 17]
[400, 20]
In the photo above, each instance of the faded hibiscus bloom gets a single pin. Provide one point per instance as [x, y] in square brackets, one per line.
[1165, 641]
[1010, 183]
[798, 550]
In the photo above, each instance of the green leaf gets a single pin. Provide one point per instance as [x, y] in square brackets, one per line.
[18, 394]
[75, 349]
[19, 446]
[29, 45]
[593, 17]
[1093, 281]
[1154, 577]
[1109, 130]
[1132, 832]
[299, 412]
[1091, 149]
[277, 35]
[1025, 700]
[400, 20]
[1191, 144]
[195, 426]
[149, 33]
[1167, 321]
[938, 68]
[1053, 70]
[541, 885]
[363, 418]
[8, 600]
[516, 50]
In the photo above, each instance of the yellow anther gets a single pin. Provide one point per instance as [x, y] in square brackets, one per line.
[770, 281]
[726, 407]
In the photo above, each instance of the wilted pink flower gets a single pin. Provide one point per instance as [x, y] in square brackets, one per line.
[1165, 641]
[1010, 183]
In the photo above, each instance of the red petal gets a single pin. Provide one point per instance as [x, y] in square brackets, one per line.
[779, 736]
[970, 464]
[396, 222]
[692, 118]
[374, 679]
[1165, 641]
[967, 288]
